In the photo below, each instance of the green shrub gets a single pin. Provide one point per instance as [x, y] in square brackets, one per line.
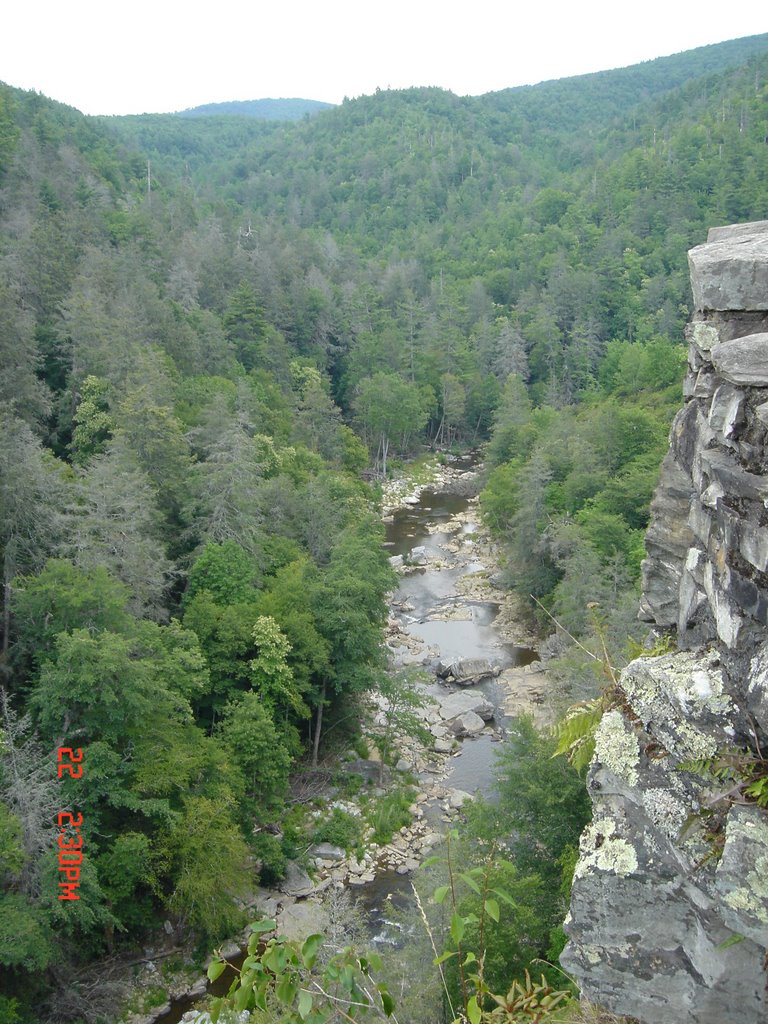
[389, 814]
[270, 852]
[361, 748]
[341, 829]
[350, 783]
[9, 1011]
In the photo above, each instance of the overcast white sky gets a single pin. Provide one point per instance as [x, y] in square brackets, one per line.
[107, 57]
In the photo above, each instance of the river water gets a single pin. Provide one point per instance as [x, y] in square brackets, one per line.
[445, 525]
[441, 523]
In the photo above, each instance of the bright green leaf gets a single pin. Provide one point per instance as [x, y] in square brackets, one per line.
[504, 896]
[286, 989]
[473, 1011]
[309, 949]
[466, 877]
[260, 994]
[242, 997]
[215, 969]
[263, 926]
[493, 910]
[388, 1003]
[440, 893]
[305, 1003]
[457, 928]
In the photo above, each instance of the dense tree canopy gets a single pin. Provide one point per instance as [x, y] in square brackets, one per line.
[197, 381]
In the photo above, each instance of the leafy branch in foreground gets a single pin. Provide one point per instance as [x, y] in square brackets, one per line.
[304, 987]
[524, 1001]
[289, 974]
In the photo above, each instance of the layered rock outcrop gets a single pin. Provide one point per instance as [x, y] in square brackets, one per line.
[669, 913]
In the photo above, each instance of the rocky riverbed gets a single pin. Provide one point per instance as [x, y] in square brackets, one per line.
[450, 618]
[459, 549]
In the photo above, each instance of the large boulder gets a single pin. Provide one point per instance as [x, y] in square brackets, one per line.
[418, 555]
[467, 724]
[743, 360]
[297, 882]
[371, 771]
[467, 671]
[327, 851]
[300, 920]
[460, 703]
[457, 798]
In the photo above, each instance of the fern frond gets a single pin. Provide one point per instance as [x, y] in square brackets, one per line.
[581, 756]
[697, 766]
[758, 791]
[576, 732]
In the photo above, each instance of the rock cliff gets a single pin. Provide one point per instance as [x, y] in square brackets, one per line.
[669, 912]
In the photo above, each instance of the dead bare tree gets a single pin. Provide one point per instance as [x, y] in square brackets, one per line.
[28, 785]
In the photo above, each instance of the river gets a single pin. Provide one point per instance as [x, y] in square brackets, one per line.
[443, 610]
[443, 618]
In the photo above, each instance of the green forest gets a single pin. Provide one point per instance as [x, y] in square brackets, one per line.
[218, 335]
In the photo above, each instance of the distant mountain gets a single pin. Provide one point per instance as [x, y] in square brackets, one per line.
[264, 110]
[599, 98]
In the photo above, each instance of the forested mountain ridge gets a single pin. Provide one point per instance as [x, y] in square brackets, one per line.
[265, 109]
[208, 329]
[433, 195]
[598, 100]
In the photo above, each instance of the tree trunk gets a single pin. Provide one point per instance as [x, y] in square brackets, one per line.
[6, 616]
[319, 725]
[6, 626]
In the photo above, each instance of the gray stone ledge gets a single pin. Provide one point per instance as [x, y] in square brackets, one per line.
[755, 227]
[743, 360]
[731, 274]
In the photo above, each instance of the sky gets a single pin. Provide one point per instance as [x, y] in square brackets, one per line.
[164, 55]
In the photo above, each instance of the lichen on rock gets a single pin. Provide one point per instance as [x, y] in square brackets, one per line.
[602, 850]
[667, 810]
[669, 907]
[742, 875]
[617, 747]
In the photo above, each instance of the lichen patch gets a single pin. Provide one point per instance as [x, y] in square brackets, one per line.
[617, 747]
[603, 851]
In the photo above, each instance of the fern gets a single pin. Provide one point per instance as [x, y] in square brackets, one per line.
[576, 733]
[749, 772]
[758, 791]
[714, 767]
[663, 645]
